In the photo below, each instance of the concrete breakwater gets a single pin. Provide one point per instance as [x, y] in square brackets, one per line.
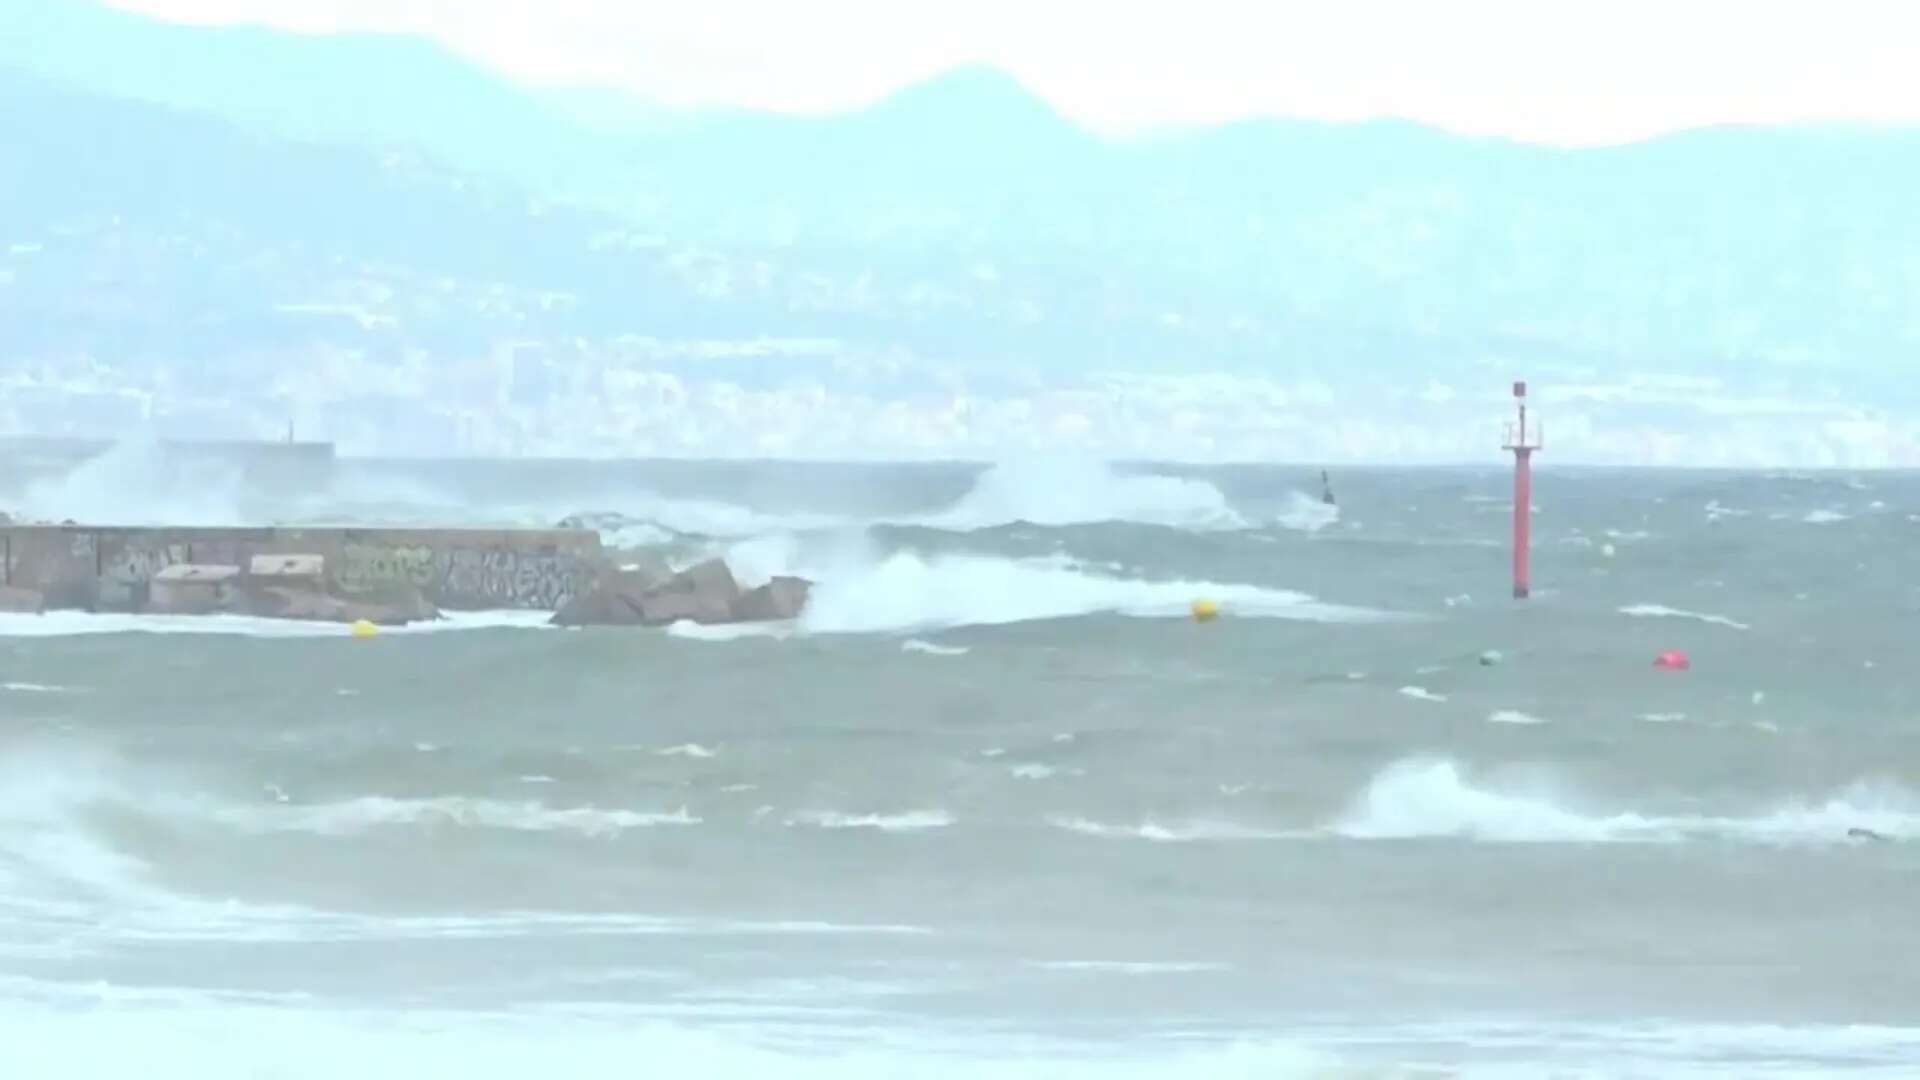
[96, 568]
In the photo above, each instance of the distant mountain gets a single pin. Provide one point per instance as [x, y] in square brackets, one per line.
[379, 89]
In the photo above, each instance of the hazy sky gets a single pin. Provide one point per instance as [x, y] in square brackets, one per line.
[1565, 71]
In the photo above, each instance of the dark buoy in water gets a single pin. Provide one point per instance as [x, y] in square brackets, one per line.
[1673, 660]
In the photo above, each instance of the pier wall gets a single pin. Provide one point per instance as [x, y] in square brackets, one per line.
[112, 568]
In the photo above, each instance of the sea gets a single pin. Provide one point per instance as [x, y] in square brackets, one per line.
[996, 804]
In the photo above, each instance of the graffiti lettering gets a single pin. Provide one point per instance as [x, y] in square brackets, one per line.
[510, 579]
[372, 566]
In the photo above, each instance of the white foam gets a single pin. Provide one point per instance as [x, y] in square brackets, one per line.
[1512, 716]
[1077, 492]
[1421, 693]
[1661, 611]
[859, 589]
[1429, 798]
[636, 535]
[1032, 771]
[1306, 513]
[928, 648]
[1824, 517]
[78, 623]
[692, 631]
[908, 592]
[693, 750]
[910, 821]
[136, 483]
[41, 796]
[33, 688]
[1432, 798]
[648, 519]
[375, 811]
[1188, 832]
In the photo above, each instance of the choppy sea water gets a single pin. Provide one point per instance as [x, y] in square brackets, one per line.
[996, 806]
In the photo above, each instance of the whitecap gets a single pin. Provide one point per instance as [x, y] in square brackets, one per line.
[1421, 693]
[1512, 716]
[716, 632]
[1661, 611]
[910, 821]
[1158, 832]
[1434, 799]
[928, 648]
[377, 811]
[693, 750]
[907, 592]
[1305, 513]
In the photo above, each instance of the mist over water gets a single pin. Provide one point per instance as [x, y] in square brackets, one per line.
[994, 805]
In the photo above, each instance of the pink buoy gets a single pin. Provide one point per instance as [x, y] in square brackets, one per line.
[1672, 660]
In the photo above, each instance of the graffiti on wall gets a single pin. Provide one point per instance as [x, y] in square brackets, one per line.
[113, 568]
[135, 563]
[510, 579]
[369, 567]
[127, 570]
[464, 577]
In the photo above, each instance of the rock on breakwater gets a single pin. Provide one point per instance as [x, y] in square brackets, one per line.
[706, 593]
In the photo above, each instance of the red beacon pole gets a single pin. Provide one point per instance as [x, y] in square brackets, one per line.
[1523, 442]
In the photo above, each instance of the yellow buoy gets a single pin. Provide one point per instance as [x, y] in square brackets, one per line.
[361, 628]
[1205, 611]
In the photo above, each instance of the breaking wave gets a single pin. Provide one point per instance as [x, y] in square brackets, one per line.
[136, 483]
[1432, 798]
[908, 592]
[859, 589]
[1306, 513]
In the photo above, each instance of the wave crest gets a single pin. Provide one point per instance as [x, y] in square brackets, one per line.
[908, 592]
[1431, 798]
[378, 811]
